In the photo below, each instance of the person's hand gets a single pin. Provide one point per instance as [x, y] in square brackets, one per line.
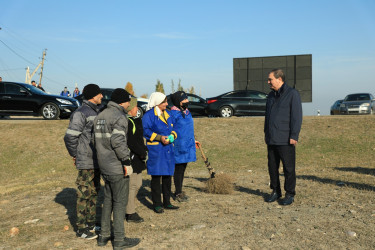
[171, 138]
[292, 142]
[164, 140]
[146, 158]
[74, 161]
[197, 144]
[128, 170]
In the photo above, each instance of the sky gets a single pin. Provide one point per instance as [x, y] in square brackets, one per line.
[114, 42]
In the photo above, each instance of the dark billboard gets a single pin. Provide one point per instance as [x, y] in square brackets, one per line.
[252, 73]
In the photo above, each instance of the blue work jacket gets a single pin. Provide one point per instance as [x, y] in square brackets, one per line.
[160, 157]
[184, 145]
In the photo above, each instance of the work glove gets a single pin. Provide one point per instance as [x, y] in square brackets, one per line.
[128, 170]
[171, 138]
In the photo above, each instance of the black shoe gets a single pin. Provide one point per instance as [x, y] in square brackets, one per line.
[170, 206]
[93, 227]
[102, 241]
[273, 197]
[158, 210]
[126, 243]
[86, 234]
[181, 197]
[134, 218]
[288, 200]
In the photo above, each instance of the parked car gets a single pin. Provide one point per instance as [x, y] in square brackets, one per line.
[238, 102]
[107, 92]
[335, 108]
[24, 99]
[362, 103]
[197, 104]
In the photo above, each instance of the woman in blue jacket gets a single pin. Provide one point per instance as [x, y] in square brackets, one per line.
[158, 131]
[184, 145]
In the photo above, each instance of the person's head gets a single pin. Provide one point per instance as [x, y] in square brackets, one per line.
[132, 109]
[92, 93]
[276, 79]
[65, 89]
[33, 83]
[121, 97]
[180, 100]
[76, 89]
[163, 105]
[157, 99]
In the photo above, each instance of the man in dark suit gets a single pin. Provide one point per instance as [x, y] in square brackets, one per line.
[282, 125]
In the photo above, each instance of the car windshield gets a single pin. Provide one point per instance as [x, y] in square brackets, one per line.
[357, 97]
[34, 90]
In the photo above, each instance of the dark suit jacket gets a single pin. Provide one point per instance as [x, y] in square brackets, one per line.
[283, 116]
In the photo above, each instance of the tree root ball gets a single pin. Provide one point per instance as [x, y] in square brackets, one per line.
[221, 184]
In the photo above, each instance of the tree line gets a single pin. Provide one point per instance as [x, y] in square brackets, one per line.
[159, 87]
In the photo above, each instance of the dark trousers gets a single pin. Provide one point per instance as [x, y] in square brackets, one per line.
[166, 183]
[178, 178]
[116, 191]
[287, 155]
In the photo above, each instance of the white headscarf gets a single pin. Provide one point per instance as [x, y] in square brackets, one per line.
[155, 99]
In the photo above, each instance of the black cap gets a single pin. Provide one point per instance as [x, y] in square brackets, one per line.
[120, 96]
[91, 90]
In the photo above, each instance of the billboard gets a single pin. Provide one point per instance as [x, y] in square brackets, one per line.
[252, 73]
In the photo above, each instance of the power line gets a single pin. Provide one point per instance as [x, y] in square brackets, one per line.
[6, 69]
[27, 44]
[17, 53]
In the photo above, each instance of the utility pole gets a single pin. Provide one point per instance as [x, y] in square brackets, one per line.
[41, 69]
[28, 76]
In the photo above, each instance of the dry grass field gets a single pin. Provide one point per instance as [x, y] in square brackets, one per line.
[334, 207]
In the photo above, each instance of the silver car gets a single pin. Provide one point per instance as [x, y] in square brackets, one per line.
[362, 103]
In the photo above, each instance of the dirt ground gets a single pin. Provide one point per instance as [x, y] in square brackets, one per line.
[334, 206]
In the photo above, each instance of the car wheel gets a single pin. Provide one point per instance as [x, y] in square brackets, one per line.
[50, 111]
[371, 112]
[139, 113]
[226, 111]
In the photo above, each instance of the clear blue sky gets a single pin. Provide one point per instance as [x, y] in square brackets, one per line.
[114, 42]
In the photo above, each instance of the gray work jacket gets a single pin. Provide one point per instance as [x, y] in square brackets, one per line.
[78, 136]
[110, 128]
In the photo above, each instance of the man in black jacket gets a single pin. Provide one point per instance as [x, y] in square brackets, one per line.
[79, 145]
[138, 157]
[281, 127]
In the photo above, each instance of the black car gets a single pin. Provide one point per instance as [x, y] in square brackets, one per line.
[335, 108]
[197, 105]
[238, 102]
[107, 92]
[25, 99]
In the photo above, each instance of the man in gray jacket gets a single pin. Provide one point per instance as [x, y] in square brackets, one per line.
[78, 142]
[281, 127]
[110, 128]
